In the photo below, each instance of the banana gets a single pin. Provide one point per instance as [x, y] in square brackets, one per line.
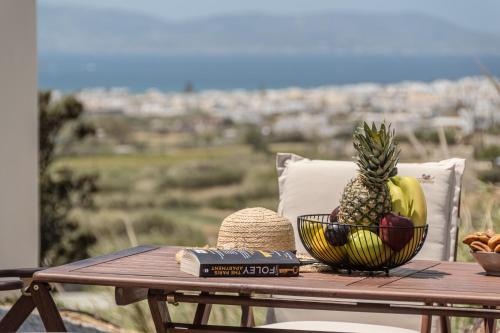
[315, 236]
[408, 199]
[399, 202]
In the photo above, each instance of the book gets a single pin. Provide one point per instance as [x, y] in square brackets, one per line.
[239, 263]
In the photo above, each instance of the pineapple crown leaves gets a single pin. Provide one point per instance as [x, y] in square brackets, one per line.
[377, 153]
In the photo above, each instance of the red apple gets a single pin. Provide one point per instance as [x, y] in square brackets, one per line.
[395, 231]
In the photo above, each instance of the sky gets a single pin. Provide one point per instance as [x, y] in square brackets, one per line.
[479, 15]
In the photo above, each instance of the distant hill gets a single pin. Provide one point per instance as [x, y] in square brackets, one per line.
[101, 31]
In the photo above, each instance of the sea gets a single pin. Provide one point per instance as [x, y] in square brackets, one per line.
[69, 73]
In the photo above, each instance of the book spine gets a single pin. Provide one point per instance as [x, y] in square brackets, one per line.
[249, 270]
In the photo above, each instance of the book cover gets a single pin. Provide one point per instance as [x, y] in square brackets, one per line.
[239, 263]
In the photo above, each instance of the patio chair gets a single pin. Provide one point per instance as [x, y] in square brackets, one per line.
[17, 279]
[313, 186]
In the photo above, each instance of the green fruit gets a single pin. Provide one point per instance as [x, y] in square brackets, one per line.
[408, 199]
[365, 248]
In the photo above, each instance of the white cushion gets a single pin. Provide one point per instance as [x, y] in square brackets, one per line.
[315, 186]
[335, 326]
[400, 321]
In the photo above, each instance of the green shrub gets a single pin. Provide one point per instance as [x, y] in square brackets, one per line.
[155, 228]
[201, 175]
[431, 135]
[236, 201]
[178, 202]
[116, 180]
[113, 201]
[288, 137]
[490, 176]
[124, 201]
[61, 189]
[257, 191]
[153, 222]
[402, 138]
[488, 153]
[494, 129]
[253, 137]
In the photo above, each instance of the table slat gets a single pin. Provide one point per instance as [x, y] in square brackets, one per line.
[417, 281]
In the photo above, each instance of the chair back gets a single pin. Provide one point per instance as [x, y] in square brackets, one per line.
[315, 186]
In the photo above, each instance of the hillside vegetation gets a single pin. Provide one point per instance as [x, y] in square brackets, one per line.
[157, 185]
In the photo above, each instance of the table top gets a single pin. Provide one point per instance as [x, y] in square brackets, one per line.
[155, 268]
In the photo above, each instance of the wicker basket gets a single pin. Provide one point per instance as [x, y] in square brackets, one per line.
[256, 229]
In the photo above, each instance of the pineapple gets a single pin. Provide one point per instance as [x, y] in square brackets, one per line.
[366, 198]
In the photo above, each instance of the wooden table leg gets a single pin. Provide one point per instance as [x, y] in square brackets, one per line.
[159, 312]
[489, 323]
[247, 319]
[202, 312]
[17, 314]
[46, 307]
[444, 323]
[426, 322]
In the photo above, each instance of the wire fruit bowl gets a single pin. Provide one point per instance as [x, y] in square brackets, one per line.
[359, 247]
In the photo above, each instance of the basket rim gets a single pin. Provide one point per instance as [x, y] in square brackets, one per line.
[307, 217]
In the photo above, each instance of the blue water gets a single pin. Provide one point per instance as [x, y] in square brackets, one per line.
[171, 73]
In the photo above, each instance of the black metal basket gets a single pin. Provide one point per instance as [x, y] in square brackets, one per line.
[359, 247]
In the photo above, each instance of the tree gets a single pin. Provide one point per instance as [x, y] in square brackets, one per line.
[254, 138]
[60, 189]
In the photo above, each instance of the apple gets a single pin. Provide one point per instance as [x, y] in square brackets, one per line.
[408, 199]
[395, 231]
[334, 215]
[366, 248]
[337, 234]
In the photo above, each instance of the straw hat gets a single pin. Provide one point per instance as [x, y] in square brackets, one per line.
[256, 229]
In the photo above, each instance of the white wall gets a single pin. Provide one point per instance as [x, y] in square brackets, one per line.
[18, 134]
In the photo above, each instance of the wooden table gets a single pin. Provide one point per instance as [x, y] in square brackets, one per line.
[427, 288]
